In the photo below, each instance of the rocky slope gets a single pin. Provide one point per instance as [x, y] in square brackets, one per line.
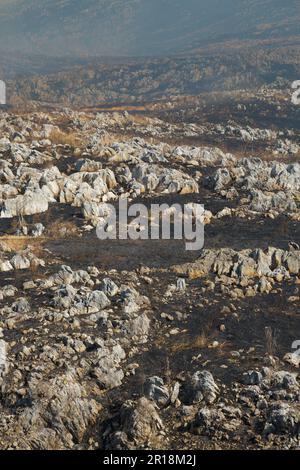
[140, 81]
[140, 344]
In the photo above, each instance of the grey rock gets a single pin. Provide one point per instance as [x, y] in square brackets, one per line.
[201, 387]
[140, 425]
[37, 230]
[155, 390]
[109, 287]
[252, 378]
[285, 380]
[282, 419]
[97, 301]
[21, 305]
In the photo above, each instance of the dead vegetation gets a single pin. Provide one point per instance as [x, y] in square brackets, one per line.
[59, 137]
[62, 229]
[271, 341]
[16, 243]
[199, 342]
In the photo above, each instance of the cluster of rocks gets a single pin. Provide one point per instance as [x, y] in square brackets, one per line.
[263, 406]
[246, 272]
[260, 186]
[273, 263]
[27, 189]
[103, 172]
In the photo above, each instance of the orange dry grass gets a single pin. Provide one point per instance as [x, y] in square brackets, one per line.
[16, 243]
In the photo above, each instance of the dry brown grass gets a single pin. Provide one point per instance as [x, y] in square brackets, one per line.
[16, 243]
[62, 138]
[140, 119]
[62, 229]
[19, 244]
[57, 229]
[116, 109]
[271, 341]
[111, 138]
[199, 342]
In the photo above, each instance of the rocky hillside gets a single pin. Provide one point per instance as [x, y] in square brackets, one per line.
[139, 81]
[141, 344]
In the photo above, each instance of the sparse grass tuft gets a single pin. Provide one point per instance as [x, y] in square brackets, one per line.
[271, 342]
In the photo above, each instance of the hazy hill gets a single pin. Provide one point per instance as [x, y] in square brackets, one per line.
[140, 27]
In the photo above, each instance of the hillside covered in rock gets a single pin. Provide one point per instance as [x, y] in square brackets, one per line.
[140, 344]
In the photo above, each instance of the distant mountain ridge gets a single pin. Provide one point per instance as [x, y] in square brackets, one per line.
[140, 27]
[159, 79]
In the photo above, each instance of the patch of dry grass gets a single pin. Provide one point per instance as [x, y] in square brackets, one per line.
[140, 119]
[16, 243]
[112, 137]
[19, 244]
[62, 229]
[62, 138]
[199, 342]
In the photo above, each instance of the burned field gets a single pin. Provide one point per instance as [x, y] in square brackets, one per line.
[140, 344]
